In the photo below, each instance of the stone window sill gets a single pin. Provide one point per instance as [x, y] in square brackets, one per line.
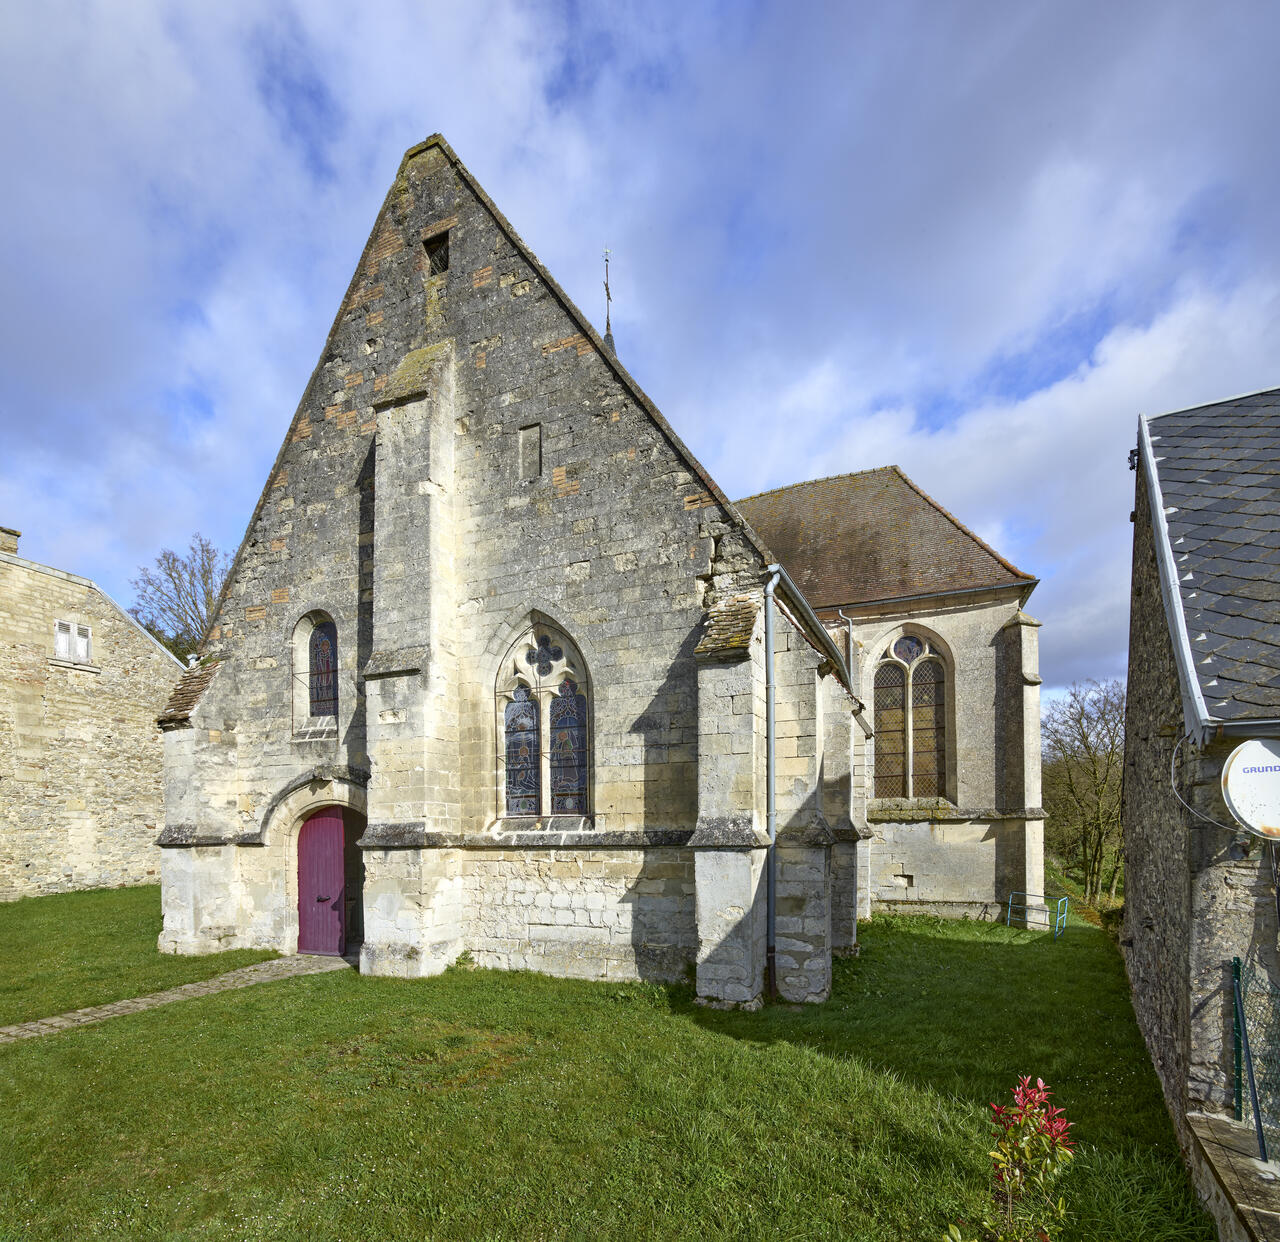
[56, 662]
[317, 733]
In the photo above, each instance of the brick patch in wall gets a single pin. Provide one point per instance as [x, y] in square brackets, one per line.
[564, 485]
[373, 319]
[699, 500]
[482, 276]
[356, 377]
[303, 431]
[280, 595]
[281, 480]
[255, 612]
[578, 342]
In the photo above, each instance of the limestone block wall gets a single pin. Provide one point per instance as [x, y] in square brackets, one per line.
[592, 913]
[80, 754]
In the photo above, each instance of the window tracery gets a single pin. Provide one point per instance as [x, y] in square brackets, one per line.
[910, 707]
[543, 727]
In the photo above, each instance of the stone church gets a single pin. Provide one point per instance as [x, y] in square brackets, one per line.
[500, 669]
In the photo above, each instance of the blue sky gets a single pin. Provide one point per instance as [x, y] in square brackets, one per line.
[975, 240]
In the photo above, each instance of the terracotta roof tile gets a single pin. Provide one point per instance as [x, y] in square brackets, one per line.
[872, 536]
[186, 694]
[730, 624]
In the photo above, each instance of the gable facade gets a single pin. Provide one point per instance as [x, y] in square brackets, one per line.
[80, 755]
[548, 627]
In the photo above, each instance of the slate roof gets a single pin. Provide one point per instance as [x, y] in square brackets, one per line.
[870, 537]
[186, 694]
[1219, 473]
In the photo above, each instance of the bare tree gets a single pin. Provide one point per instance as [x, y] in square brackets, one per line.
[175, 598]
[1083, 742]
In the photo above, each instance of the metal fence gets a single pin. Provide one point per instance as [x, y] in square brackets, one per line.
[1023, 907]
[1257, 1052]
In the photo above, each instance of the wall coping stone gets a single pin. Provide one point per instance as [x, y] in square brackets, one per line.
[415, 835]
[939, 811]
[396, 663]
[184, 836]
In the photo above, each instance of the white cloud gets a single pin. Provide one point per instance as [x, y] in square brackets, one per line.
[975, 242]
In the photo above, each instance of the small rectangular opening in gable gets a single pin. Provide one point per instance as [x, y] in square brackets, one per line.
[437, 249]
[531, 451]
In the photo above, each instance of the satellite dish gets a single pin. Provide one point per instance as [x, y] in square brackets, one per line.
[1251, 787]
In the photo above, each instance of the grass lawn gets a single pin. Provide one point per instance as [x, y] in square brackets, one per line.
[489, 1105]
[80, 949]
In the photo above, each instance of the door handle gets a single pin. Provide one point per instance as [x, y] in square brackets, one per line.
[322, 898]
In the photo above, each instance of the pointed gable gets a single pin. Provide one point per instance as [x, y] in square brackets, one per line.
[870, 537]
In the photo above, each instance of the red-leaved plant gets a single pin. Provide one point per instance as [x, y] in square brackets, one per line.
[1033, 1146]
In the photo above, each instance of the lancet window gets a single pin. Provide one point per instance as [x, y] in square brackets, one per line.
[543, 727]
[910, 705]
[323, 669]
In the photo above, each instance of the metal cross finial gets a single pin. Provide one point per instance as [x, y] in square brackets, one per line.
[608, 297]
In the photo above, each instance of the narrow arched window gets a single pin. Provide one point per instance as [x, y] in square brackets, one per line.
[524, 770]
[568, 750]
[323, 669]
[910, 704]
[543, 727]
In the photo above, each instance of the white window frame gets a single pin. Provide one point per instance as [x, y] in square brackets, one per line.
[78, 645]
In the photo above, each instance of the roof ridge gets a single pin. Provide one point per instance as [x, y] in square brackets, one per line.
[959, 525]
[829, 478]
[1209, 405]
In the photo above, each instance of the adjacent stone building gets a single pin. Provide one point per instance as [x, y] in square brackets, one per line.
[1204, 675]
[80, 755]
[491, 671]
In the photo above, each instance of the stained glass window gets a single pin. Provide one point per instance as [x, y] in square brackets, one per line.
[543, 656]
[524, 769]
[568, 751]
[908, 648]
[890, 732]
[544, 726]
[910, 722]
[323, 662]
[928, 734]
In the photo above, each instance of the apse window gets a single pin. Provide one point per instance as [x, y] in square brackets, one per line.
[72, 642]
[531, 451]
[437, 249]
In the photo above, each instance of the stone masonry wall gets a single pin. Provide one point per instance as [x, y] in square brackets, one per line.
[1157, 934]
[595, 914]
[80, 754]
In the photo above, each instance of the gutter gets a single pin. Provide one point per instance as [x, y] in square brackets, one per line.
[1195, 714]
[795, 598]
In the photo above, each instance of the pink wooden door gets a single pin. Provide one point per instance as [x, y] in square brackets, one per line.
[320, 882]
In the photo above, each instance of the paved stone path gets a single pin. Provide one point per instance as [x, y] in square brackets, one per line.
[246, 976]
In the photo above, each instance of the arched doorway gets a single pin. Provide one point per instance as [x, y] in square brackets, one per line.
[330, 882]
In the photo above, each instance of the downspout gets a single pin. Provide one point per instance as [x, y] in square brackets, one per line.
[771, 803]
[848, 645]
